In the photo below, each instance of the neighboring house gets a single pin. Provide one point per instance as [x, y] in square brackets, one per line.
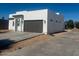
[3, 24]
[41, 21]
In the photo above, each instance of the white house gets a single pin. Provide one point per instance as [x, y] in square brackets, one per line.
[41, 21]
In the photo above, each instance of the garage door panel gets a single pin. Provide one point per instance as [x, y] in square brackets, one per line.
[33, 26]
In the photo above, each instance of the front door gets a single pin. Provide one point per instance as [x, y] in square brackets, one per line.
[18, 24]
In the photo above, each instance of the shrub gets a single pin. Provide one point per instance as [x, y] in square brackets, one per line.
[77, 25]
[69, 24]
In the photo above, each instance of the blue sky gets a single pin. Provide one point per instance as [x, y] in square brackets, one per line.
[70, 11]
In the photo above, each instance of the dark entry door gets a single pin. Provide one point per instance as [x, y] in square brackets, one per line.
[33, 26]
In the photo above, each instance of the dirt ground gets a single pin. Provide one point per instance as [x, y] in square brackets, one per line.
[64, 43]
[25, 43]
[29, 42]
[4, 31]
[61, 44]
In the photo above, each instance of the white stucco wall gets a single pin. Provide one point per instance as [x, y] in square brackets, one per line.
[38, 15]
[57, 23]
[45, 15]
[11, 27]
[20, 27]
[32, 15]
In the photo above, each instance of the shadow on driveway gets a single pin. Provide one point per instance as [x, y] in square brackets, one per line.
[5, 43]
[52, 34]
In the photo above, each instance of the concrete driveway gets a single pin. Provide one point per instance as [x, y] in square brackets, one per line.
[17, 36]
[11, 37]
[66, 45]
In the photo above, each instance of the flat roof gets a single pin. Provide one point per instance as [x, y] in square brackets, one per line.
[17, 15]
[11, 18]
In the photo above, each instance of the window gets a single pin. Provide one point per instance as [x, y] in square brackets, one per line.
[13, 23]
[51, 20]
[18, 22]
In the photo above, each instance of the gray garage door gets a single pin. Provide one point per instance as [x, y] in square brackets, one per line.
[33, 26]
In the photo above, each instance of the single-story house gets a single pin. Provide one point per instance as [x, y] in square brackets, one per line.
[41, 21]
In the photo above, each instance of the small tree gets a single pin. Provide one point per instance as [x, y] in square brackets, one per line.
[69, 24]
[77, 25]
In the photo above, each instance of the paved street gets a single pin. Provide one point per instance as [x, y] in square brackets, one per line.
[66, 45]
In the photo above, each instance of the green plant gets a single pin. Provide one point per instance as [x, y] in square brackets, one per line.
[77, 25]
[69, 24]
